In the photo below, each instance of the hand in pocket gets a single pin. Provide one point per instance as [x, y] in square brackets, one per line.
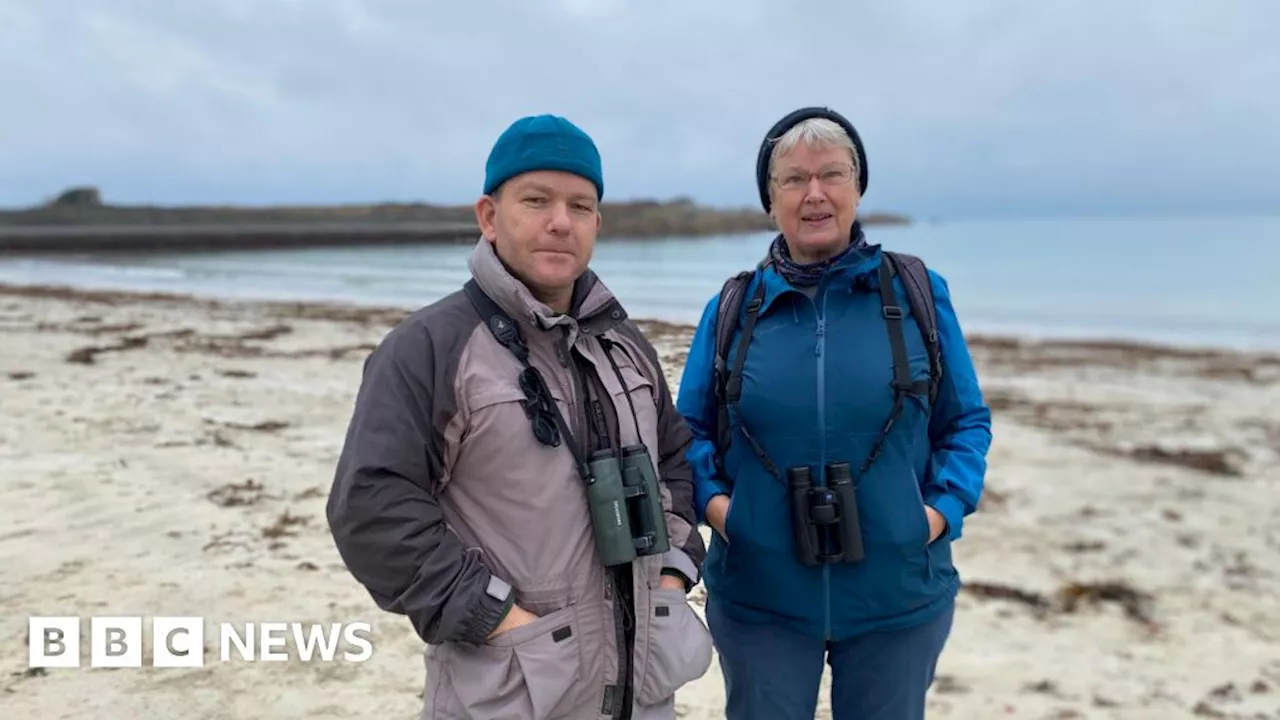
[718, 515]
[937, 523]
[515, 617]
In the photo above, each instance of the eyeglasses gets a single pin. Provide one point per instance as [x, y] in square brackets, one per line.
[832, 176]
[537, 406]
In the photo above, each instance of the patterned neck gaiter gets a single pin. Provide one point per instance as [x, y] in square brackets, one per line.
[808, 274]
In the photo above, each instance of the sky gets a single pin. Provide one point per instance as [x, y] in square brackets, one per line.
[975, 108]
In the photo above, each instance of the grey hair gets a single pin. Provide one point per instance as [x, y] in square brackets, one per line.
[815, 132]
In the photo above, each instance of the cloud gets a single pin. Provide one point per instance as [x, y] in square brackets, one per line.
[981, 107]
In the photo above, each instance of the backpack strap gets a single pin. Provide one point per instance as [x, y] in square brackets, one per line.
[915, 278]
[902, 383]
[726, 322]
[728, 378]
[893, 315]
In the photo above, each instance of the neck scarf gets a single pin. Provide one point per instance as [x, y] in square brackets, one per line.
[806, 274]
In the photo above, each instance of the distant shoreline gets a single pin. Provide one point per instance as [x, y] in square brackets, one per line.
[78, 222]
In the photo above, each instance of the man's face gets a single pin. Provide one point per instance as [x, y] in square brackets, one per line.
[543, 226]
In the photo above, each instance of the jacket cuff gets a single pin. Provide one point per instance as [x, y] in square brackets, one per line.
[952, 509]
[676, 562]
[495, 603]
[703, 491]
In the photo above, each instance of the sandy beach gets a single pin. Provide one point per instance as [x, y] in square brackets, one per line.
[163, 456]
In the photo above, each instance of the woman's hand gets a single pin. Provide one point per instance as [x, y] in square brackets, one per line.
[717, 511]
[937, 523]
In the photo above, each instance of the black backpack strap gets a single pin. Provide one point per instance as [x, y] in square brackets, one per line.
[728, 378]
[733, 385]
[915, 278]
[893, 315]
[901, 382]
[727, 322]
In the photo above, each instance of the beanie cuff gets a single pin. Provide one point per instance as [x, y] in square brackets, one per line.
[533, 164]
[791, 120]
[543, 142]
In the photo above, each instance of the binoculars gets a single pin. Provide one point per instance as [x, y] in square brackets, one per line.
[626, 506]
[825, 518]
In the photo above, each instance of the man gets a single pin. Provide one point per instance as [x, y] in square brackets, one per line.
[470, 497]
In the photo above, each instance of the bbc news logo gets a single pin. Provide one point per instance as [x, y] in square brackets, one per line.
[179, 642]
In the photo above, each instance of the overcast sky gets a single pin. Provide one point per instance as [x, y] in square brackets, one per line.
[981, 107]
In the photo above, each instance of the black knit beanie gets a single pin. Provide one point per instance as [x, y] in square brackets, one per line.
[791, 120]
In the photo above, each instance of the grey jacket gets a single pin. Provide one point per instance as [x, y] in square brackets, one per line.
[447, 509]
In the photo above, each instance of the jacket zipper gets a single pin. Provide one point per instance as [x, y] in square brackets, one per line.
[820, 474]
[580, 407]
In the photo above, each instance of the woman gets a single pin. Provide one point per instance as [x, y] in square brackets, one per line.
[842, 389]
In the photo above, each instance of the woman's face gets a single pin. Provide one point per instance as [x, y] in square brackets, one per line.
[814, 200]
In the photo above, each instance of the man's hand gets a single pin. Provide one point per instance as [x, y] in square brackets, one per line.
[717, 511]
[671, 582]
[515, 617]
[937, 523]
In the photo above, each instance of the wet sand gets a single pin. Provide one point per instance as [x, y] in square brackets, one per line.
[168, 456]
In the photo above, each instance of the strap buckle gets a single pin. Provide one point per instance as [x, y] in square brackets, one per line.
[892, 312]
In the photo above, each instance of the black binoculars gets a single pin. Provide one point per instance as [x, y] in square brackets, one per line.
[626, 506]
[825, 517]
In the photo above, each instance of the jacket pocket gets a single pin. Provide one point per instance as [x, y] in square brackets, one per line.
[891, 510]
[635, 392]
[922, 514]
[732, 541]
[525, 673]
[679, 647]
[728, 513]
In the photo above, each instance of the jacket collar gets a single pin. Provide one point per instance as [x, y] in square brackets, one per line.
[593, 310]
[845, 273]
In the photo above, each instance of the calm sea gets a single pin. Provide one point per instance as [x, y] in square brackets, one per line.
[1191, 281]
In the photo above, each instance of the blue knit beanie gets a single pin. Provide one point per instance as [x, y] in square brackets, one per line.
[543, 142]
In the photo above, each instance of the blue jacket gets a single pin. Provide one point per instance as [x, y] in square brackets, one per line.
[816, 389]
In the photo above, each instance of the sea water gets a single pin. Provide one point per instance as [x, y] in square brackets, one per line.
[1186, 281]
